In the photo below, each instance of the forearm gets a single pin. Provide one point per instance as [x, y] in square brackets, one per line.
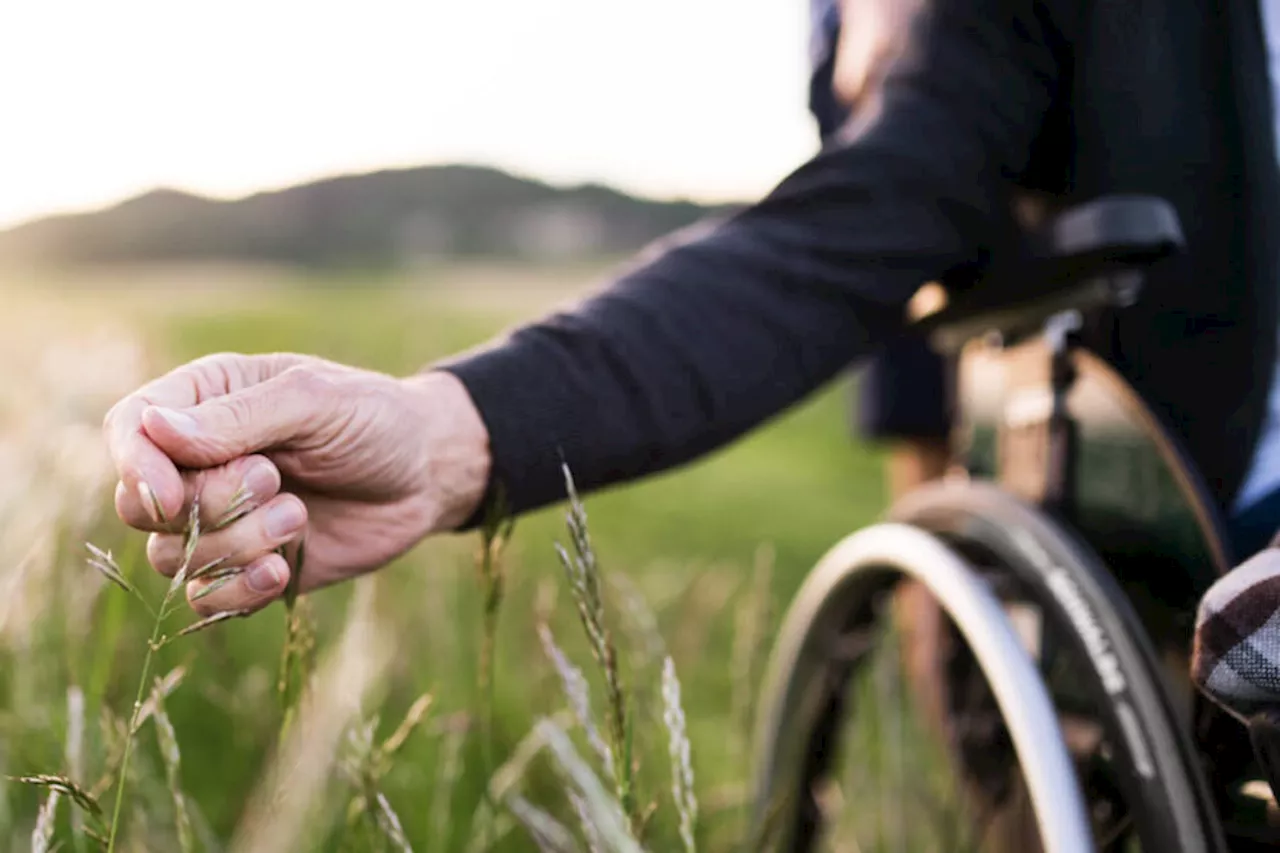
[710, 338]
[675, 359]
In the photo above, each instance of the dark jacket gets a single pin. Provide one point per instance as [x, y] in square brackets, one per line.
[991, 99]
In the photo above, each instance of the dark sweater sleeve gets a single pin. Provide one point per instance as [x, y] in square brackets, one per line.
[724, 328]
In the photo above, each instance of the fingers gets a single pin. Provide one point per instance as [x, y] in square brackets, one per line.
[225, 492]
[147, 476]
[272, 413]
[255, 586]
[275, 523]
[144, 469]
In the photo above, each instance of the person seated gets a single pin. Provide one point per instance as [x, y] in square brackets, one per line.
[713, 334]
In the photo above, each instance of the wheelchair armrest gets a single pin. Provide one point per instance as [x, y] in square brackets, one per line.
[1086, 257]
[1108, 233]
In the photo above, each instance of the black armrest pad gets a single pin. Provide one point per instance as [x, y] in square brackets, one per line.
[1114, 230]
[1066, 263]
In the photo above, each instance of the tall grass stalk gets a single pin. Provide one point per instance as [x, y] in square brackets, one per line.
[448, 770]
[647, 644]
[751, 632]
[595, 844]
[367, 763]
[106, 565]
[578, 694]
[681, 764]
[604, 826]
[46, 821]
[605, 814]
[501, 788]
[62, 786]
[495, 533]
[153, 645]
[74, 753]
[299, 645]
[172, 758]
[583, 572]
[283, 812]
[548, 833]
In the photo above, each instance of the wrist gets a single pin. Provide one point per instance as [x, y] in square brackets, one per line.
[456, 448]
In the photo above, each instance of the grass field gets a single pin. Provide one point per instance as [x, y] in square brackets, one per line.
[696, 544]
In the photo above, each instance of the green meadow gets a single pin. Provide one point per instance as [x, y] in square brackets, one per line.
[707, 555]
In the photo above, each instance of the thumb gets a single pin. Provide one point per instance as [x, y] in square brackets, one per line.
[262, 416]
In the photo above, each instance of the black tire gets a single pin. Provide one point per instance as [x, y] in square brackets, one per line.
[834, 630]
[1148, 758]
[1163, 786]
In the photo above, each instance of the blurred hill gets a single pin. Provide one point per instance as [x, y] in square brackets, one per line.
[392, 218]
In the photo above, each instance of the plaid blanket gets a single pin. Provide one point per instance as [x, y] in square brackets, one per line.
[1236, 657]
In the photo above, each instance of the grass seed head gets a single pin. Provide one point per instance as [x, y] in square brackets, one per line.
[412, 719]
[548, 833]
[591, 835]
[164, 688]
[389, 822]
[578, 693]
[157, 511]
[192, 538]
[46, 822]
[63, 785]
[216, 584]
[681, 764]
[210, 621]
[236, 510]
[171, 756]
[583, 572]
[107, 567]
[605, 812]
[210, 569]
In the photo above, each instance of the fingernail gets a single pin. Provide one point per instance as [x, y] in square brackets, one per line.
[262, 480]
[180, 421]
[149, 502]
[284, 518]
[262, 576]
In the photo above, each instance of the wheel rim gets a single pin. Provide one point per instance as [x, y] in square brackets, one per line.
[1045, 562]
[856, 570]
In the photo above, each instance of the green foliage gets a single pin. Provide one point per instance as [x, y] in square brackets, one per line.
[688, 542]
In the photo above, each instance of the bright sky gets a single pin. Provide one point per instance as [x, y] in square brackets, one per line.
[102, 99]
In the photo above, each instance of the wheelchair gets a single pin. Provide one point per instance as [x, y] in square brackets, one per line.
[1066, 554]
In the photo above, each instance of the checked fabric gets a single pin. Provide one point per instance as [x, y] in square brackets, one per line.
[1236, 657]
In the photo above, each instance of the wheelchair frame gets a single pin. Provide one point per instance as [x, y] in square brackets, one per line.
[1088, 489]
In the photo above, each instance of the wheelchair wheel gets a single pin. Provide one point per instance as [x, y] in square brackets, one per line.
[835, 657]
[1131, 747]
[1046, 744]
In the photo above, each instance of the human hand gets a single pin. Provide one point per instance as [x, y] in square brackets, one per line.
[362, 464]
